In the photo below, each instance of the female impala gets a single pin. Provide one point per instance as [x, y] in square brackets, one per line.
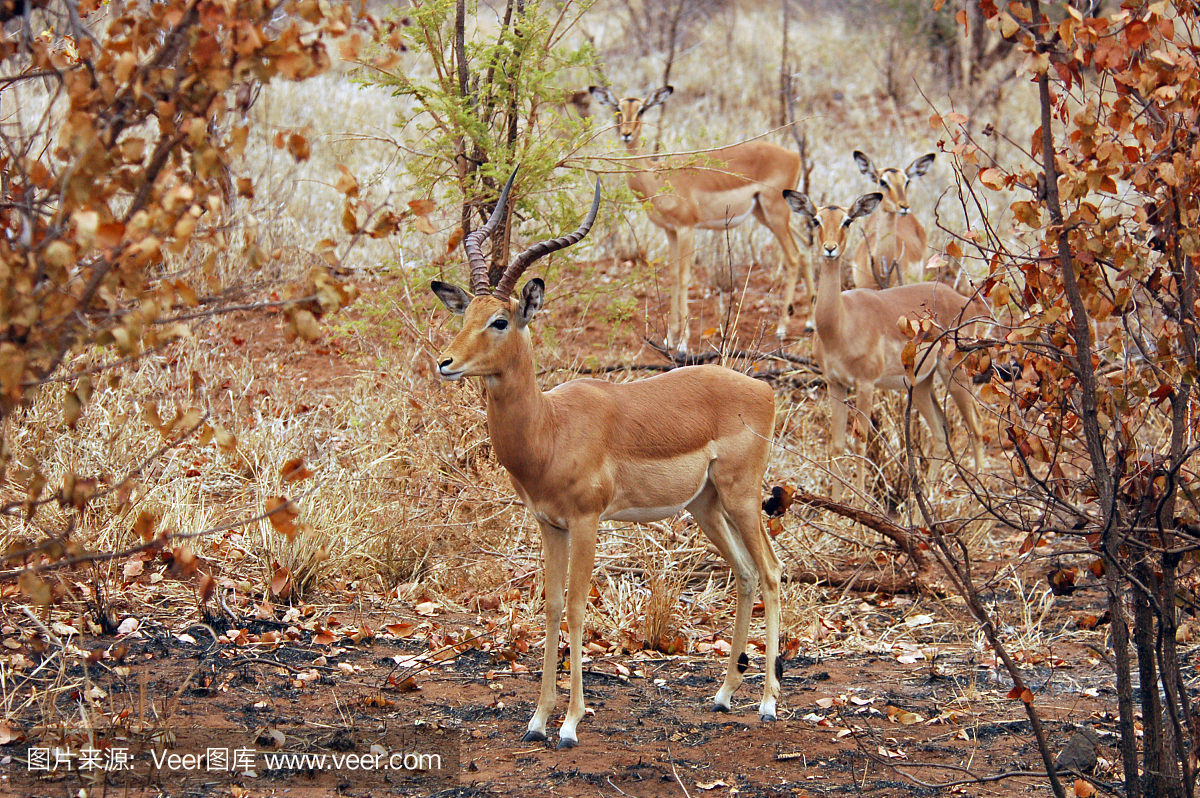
[895, 239]
[694, 438]
[859, 345]
[731, 184]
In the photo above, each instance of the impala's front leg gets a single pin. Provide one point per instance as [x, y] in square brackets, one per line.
[583, 559]
[554, 553]
[839, 396]
[864, 408]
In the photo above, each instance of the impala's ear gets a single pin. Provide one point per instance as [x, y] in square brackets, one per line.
[532, 295]
[864, 165]
[864, 205]
[604, 96]
[658, 97]
[454, 298]
[800, 203]
[920, 166]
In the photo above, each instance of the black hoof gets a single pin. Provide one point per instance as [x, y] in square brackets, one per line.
[720, 708]
[532, 736]
[566, 742]
[766, 718]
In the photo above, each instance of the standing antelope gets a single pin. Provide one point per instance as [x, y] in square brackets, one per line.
[694, 438]
[733, 183]
[895, 239]
[859, 345]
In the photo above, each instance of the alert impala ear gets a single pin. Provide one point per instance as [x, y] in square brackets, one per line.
[865, 166]
[454, 298]
[920, 166]
[657, 97]
[604, 96]
[532, 295]
[864, 205]
[800, 203]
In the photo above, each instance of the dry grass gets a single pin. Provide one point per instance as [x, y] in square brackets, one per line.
[405, 493]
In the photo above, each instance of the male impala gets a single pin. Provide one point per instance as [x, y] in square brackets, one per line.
[859, 345]
[720, 191]
[694, 438]
[895, 239]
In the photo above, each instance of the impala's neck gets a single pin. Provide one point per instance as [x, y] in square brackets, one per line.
[518, 414]
[888, 221]
[640, 177]
[829, 311]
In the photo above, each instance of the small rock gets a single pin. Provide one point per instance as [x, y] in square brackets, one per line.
[1079, 754]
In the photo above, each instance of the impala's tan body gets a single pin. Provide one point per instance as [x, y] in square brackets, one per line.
[639, 451]
[693, 438]
[859, 344]
[892, 249]
[713, 191]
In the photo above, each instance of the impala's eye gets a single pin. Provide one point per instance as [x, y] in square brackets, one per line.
[884, 184]
[500, 324]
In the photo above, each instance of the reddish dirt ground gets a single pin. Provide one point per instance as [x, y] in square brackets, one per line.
[651, 734]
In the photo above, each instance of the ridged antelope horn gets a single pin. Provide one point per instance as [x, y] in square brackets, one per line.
[479, 271]
[522, 261]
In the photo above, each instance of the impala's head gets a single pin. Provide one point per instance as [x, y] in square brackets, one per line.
[491, 325]
[831, 222]
[629, 111]
[894, 182]
[495, 325]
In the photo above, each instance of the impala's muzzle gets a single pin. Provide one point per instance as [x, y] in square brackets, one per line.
[829, 251]
[447, 371]
[904, 209]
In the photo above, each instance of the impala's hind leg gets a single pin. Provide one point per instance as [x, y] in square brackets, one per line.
[964, 399]
[707, 511]
[931, 410]
[744, 513]
[776, 216]
[736, 530]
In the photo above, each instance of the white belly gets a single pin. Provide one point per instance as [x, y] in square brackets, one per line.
[646, 497]
[642, 515]
[725, 223]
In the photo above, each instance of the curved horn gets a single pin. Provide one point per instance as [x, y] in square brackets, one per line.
[479, 270]
[520, 263]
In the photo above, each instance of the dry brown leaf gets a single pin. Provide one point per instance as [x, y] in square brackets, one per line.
[37, 590]
[347, 183]
[206, 586]
[295, 470]
[282, 513]
[10, 734]
[401, 630]
[422, 207]
[281, 582]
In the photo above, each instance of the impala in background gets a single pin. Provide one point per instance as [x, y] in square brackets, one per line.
[717, 191]
[695, 438]
[894, 249]
[858, 343]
